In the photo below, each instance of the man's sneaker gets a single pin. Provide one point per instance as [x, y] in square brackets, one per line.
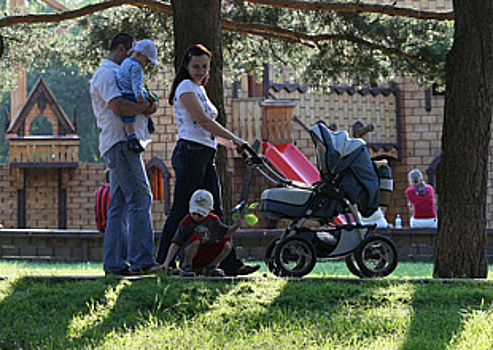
[187, 271]
[135, 146]
[213, 271]
[244, 270]
[150, 126]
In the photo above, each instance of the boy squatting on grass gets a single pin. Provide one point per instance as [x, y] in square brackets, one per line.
[204, 238]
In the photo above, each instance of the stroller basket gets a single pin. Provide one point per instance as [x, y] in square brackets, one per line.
[293, 203]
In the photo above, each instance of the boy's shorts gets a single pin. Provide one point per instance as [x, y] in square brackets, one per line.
[133, 118]
[206, 254]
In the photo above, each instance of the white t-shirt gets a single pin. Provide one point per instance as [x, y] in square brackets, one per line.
[188, 128]
[103, 90]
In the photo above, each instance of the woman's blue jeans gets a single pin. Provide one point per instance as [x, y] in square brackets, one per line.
[130, 196]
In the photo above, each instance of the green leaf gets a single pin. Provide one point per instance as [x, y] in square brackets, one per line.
[235, 216]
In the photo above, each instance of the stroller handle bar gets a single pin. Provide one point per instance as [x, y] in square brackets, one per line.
[258, 162]
[250, 155]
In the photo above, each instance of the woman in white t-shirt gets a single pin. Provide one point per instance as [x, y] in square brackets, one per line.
[194, 153]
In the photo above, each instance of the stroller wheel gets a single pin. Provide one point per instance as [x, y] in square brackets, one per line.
[270, 260]
[376, 256]
[294, 257]
[352, 265]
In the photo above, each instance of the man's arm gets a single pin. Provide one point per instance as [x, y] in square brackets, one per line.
[120, 105]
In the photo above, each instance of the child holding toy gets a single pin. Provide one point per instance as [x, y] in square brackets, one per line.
[204, 238]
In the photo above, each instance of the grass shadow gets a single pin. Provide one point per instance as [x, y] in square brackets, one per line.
[439, 309]
[319, 312]
[83, 313]
[50, 304]
[153, 300]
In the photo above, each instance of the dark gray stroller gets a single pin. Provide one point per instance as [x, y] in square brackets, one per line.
[349, 183]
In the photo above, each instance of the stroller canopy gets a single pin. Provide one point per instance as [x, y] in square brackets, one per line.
[347, 162]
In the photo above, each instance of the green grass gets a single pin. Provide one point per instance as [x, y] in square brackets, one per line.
[159, 312]
[322, 269]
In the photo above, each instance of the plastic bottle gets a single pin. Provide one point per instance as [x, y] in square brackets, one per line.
[398, 221]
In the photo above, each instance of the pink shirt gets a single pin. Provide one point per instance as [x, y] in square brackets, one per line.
[423, 202]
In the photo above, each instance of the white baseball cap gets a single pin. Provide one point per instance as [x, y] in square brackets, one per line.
[148, 48]
[201, 202]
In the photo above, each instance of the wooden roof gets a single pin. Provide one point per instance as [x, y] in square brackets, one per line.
[41, 96]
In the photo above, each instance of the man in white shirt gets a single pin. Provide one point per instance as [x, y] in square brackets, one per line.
[132, 254]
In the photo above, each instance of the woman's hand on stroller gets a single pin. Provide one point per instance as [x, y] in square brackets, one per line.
[251, 157]
[236, 142]
[239, 144]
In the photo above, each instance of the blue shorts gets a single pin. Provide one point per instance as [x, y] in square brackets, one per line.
[131, 97]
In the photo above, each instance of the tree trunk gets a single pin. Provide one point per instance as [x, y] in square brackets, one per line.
[199, 22]
[462, 185]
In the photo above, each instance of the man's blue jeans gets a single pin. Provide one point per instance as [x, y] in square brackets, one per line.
[130, 191]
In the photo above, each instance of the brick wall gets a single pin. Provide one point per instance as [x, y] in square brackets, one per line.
[8, 197]
[42, 196]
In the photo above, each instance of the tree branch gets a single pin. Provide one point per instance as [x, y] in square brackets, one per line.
[268, 31]
[166, 9]
[84, 11]
[356, 7]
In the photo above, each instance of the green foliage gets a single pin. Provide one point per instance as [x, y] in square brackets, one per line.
[358, 48]
[93, 46]
[83, 42]
[41, 126]
[4, 107]
[365, 49]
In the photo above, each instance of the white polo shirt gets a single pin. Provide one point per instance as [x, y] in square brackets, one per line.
[103, 90]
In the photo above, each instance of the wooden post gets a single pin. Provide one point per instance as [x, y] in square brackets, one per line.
[276, 121]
